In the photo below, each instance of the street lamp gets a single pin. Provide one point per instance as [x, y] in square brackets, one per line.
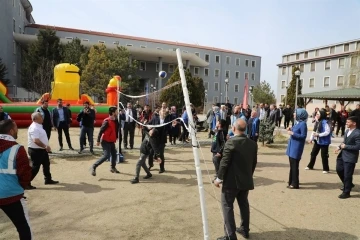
[205, 100]
[221, 99]
[297, 74]
[226, 90]
[152, 101]
[251, 96]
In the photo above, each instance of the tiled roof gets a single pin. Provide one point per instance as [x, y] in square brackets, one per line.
[346, 94]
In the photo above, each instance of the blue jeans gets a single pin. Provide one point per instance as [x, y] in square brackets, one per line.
[109, 149]
[90, 134]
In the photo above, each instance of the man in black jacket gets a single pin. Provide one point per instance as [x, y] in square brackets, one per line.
[129, 125]
[288, 114]
[61, 119]
[348, 157]
[218, 143]
[87, 118]
[46, 115]
[150, 142]
[236, 175]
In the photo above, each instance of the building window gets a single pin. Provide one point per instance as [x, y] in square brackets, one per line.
[316, 53]
[253, 64]
[207, 58]
[102, 42]
[346, 47]
[282, 98]
[217, 72]
[341, 62]
[171, 68]
[215, 99]
[236, 88]
[116, 43]
[312, 67]
[85, 40]
[311, 82]
[246, 75]
[237, 75]
[196, 71]
[142, 46]
[14, 47]
[253, 76]
[340, 81]
[157, 67]
[142, 66]
[287, 58]
[297, 56]
[283, 84]
[283, 70]
[306, 54]
[206, 85]
[206, 71]
[227, 73]
[159, 48]
[327, 64]
[19, 10]
[246, 62]
[227, 60]
[301, 67]
[129, 45]
[358, 45]
[326, 81]
[353, 62]
[197, 54]
[237, 62]
[332, 50]
[14, 69]
[14, 25]
[235, 101]
[352, 80]
[216, 86]
[217, 59]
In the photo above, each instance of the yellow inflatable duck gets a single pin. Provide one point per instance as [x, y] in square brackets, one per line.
[66, 82]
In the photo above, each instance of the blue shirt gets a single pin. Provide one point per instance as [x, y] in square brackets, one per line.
[61, 114]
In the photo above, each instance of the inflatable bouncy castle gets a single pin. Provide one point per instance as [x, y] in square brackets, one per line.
[66, 85]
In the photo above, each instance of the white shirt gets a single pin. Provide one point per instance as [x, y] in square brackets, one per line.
[349, 132]
[262, 114]
[129, 113]
[36, 131]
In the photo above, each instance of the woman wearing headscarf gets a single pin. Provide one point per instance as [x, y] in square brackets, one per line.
[322, 139]
[296, 145]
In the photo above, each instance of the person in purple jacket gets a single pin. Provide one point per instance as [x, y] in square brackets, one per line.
[296, 145]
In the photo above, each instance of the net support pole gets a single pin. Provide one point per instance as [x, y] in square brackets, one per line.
[194, 143]
[119, 121]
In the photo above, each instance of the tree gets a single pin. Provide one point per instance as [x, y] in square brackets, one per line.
[263, 93]
[72, 52]
[174, 96]
[95, 77]
[290, 96]
[46, 48]
[352, 78]
[3, 73]
[119, 65]
[266, 130]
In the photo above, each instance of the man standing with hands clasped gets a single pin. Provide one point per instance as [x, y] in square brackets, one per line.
[236, 175]
[348, 156]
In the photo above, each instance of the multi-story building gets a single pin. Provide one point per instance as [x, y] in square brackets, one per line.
[213, 65]
[322, 69]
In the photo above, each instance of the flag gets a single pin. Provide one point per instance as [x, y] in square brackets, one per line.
[246, 93]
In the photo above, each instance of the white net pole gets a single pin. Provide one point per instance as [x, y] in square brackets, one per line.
[194, 143]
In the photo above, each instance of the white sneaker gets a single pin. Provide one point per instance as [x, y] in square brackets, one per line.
[325, 172]
[307, 168]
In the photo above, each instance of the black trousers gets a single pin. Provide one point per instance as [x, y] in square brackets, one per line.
[63, 127]
[162, 157]
[18, 214]
[228, 197]
[278, 121]
[216, 161]
[286, 122]
[254, 138]
[129, 129]
[294, 172]
[40, 157]
[48, 132]
[345, 171]
[324, 156]
[340, 125]
[184, 133]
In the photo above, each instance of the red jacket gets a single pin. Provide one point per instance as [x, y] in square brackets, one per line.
[109, 130]
[23, 169]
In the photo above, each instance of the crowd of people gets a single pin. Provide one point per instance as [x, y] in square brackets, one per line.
[234, 131]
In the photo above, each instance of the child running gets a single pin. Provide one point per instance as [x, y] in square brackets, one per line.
[151, 141]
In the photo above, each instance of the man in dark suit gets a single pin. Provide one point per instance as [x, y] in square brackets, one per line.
[129, 125]
[288, 113]
[236, 175]
[348, 156]
[253, 126]
[61, 119]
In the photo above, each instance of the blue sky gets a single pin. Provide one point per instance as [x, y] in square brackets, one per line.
[268, 28]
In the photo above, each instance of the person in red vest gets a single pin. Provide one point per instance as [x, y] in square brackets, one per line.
[107, 137]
